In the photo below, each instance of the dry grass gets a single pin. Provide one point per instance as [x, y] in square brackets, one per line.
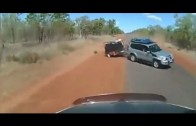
[190, 53]
[163, 42]
[65, 48]
[39, 53]
[18, 70]
[36, 53]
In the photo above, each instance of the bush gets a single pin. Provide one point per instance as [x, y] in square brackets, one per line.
[28, 57]
[46, 56]
[65, 47]
[10, 58]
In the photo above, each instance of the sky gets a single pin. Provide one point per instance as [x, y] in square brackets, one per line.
[132, 21]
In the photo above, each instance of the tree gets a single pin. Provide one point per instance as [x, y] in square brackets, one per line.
[43, 27]
[117, 30]
[169, 31]
[151, 30]
[111, 25]
[97, 26]
[84, 26]
[59, 17]
[34, 21]
[183, 31]
[10, 23]
[175, 15]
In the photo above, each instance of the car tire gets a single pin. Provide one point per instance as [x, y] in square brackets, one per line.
[132, 57]
[128, 57]
[156, 64]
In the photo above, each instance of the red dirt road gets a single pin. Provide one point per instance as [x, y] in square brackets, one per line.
[96, 75]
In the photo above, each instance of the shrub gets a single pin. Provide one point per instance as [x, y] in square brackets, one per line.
[65, 47]
[12, 57]
[25, 57]
[28, 57]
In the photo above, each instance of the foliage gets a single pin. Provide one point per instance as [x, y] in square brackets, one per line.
[45, 27]
[182, 33]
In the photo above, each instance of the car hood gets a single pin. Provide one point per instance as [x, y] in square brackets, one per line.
[128, 107]
[120, 97]
[162, 53]
[125, 103]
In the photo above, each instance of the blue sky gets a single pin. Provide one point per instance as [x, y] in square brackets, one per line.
[131, 21]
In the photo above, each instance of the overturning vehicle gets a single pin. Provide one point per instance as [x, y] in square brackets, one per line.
[114, 48]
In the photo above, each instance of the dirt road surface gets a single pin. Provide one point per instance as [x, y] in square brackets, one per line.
[87, 75]
[94, 76]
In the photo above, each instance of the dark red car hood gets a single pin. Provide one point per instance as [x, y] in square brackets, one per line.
[125, 103]
[120, 97]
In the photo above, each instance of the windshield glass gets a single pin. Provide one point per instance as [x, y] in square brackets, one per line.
[154, 48]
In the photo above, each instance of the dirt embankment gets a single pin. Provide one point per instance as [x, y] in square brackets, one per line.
[81, 73]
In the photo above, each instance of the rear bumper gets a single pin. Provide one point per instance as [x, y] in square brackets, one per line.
[117, 53]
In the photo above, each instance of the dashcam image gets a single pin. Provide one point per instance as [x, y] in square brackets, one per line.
[97, 62]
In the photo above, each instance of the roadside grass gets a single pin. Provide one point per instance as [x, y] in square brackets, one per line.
[38, 53]
[23, 66]
[28, 55]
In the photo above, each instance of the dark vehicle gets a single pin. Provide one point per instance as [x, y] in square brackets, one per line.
[114, 49]
[125, 103]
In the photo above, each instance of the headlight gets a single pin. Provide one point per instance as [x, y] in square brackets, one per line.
[162, 58]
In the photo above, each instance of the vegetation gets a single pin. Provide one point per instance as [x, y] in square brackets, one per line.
[43, 28]
[182, 33]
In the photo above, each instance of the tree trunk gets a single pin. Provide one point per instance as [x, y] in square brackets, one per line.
[40, 34]
[1, 53]
[13, 35]
[80, 33]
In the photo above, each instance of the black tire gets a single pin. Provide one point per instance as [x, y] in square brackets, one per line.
[156, 64]
[132, 57]
[128, 57]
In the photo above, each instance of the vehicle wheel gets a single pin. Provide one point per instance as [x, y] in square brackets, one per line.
[133, 58]
[155, 64]
[128, 56]
[108, 55]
